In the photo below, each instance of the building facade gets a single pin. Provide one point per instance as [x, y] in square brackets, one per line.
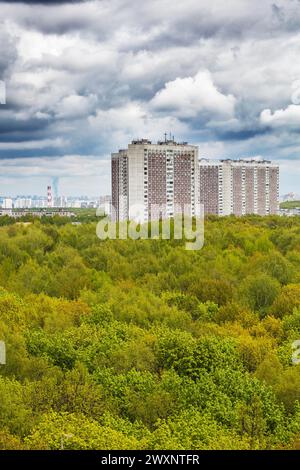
[239, 187]
[155, 181]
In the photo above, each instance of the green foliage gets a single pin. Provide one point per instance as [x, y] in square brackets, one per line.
[142, 345]
[74, 431]
[259, 292]
[287, 301]
[289, 204]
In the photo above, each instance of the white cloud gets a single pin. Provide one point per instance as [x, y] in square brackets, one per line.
[75, 106]
[131, 121]
[211, 150]
[190, 96]
[288, 117]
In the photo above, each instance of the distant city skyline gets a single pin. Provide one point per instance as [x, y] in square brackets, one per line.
[224, 79]
[69, 190]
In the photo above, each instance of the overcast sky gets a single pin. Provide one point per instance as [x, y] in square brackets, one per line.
[84, 78]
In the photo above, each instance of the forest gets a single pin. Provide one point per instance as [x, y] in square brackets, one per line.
[290, 204]
[141, 344]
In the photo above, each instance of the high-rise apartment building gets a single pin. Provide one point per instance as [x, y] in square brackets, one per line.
[155, 180]
[104, 203]
[7, 203]
[239, 187]
[23, 203]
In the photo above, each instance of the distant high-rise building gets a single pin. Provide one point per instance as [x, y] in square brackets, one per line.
[155, 180]
[23, 203]
[7, 203]
[49, 196]
[105, 204]
[239, 187]
[60, 201]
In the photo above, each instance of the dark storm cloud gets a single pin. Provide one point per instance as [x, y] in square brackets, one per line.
[184, 22]
[10, 128]
[244, 134]
[45, 2]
